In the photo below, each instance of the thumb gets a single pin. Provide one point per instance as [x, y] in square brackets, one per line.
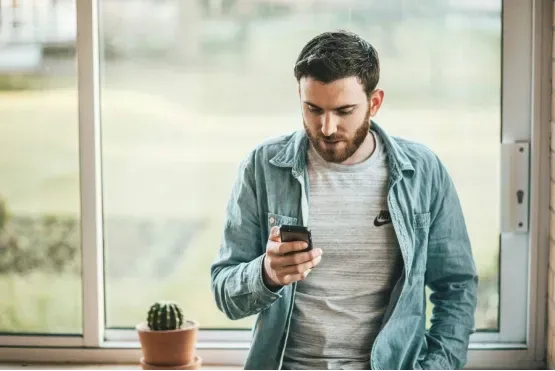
[274, 234]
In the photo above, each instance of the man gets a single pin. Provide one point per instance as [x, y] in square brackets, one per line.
[385, 221]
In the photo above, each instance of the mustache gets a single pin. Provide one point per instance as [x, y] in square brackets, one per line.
[318, 135]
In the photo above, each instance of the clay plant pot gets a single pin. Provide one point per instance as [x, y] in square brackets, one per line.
[170, 347]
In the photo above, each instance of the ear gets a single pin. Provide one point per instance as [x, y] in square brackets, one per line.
[375, 101]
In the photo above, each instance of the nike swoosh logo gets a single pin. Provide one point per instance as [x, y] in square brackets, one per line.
[380, 222]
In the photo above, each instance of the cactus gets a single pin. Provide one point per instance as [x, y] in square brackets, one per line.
[165, 315]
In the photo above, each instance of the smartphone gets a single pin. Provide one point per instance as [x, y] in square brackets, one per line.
[292, 233]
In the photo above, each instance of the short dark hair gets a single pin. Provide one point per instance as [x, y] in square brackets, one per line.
[335, 55]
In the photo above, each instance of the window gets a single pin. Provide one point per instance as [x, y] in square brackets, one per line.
[172, 95]
[40, 249]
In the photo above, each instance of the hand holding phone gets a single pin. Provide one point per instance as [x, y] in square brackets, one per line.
[289, 261]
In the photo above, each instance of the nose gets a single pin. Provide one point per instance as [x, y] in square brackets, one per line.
[329, 124]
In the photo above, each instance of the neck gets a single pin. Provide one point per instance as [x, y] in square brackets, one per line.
[363, 152]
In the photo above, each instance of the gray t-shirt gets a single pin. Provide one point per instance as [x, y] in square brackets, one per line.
[339, 307]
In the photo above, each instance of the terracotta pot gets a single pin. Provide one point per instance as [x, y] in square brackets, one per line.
[168, 348]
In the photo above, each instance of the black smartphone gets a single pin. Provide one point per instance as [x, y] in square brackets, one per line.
[292, 233]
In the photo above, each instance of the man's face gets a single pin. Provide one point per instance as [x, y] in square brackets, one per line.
[336, 115]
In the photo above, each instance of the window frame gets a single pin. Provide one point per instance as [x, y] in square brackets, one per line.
[526, 62]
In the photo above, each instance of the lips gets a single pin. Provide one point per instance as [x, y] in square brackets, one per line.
[327, 145]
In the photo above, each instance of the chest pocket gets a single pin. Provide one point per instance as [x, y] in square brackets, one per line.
[279, 220]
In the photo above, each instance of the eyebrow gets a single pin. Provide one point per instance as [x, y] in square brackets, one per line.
[344, 107]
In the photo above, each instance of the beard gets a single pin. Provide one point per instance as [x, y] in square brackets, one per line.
[336, 148]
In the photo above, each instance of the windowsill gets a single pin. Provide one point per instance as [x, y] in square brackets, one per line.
[127, 358]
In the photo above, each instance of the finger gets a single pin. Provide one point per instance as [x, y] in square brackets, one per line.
[297, 258]
[274, 234]
[286, 280]
[289, 247]
[300, 268]
[303, 257]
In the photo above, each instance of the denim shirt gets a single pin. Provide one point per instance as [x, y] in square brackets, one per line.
[272, 189]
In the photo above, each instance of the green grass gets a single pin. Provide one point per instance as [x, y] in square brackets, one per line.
[40, 303]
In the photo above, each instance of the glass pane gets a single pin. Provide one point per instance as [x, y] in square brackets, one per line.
[191, 86]
[40, 253]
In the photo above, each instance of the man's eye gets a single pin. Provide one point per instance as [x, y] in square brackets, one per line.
[345, 113]
[315, 110]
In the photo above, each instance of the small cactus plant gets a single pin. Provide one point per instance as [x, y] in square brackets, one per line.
[165, 315]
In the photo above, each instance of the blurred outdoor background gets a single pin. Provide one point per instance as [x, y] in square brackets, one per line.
[188, 88]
